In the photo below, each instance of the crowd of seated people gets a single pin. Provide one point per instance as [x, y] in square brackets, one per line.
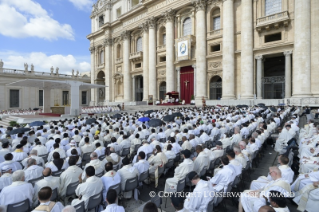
[99, 109]
[220, 142]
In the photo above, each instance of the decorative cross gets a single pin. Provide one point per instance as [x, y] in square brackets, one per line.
[186, 82]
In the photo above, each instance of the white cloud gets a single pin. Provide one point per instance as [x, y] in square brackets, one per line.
[27, 18]
[43, 62]
[83, 4]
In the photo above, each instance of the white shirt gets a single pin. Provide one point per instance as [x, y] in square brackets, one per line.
[56, 208]
[109, 179]
[12, 194]
[33, 172]
[114, 208]
[70, 175]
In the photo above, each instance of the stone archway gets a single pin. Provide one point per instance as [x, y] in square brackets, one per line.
[215, 88]
[100, 80]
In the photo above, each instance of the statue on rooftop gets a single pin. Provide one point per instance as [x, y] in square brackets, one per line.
[1, 64]
[51, 70]
[32, 67]
[26, 66]
[57, 70]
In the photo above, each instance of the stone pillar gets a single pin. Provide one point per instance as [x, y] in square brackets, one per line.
[302, 50]
[170, 40]
[314, 47]
[108, 69]
[152, 57]
[228, 51]
[178, 73]
[194, 67]
[201, 88]
[93, 99]
[144, 27]
[126, 66]
[288, 74]
[46, 100]
[107, 17]
[74, 97]
[133, 90]
[247, 55]
[259, 59]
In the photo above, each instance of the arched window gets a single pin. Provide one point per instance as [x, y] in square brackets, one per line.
[215, 88]
[102, 57]
[187, 27]
[216, 19]
[272, 7]
[118, 51]
[164, 39]
[139, 45]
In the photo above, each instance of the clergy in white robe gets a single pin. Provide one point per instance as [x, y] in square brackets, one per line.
[236, 137]
[48, 180]
[87, 147]
[12, 193]
[19, 154]
[8, 161]
[186, 144]
[111, 199]
[70, 175]
[92, 186]
[277, 201]
[234, 163]
[201, 196]
[240, 156]
[127, 172]
[156, 160]
[169, 153]
[58, 150]
[57, 163]
[33, 154]
[33, 171]
[6, 177]
[286, 134]
[96, 163]
[142, 165]
[224, 176]
[41, 149]
[110, 178]
[180, 172]
[249, 197]
[201, 161]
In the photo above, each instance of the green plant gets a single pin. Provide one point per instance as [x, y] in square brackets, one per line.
[13, 123]
[192, 98]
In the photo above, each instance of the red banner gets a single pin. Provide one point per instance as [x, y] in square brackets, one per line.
[187, 83]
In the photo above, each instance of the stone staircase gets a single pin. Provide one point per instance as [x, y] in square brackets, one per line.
[5, 121]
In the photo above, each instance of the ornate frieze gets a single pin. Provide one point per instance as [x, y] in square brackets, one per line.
[169, 15]
[151, 22]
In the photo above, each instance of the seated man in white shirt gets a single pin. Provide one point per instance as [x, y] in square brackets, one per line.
[100, 150]
[96, 163]
[142, 165]
[6, 177]
[33, 171]
[12, 194]
[111, 199]
[33, 154]
[169, 153]
[8, 161]
[224, 176]
[19, 154]
[44, 196]
[41, 149]
[110, 178]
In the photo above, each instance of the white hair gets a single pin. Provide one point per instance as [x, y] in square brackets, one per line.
[243, 143]
[69, 208]
[237, 149]
[18, 176]
[255, 134]
[34, 152]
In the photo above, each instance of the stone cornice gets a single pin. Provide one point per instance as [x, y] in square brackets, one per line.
[169, 15]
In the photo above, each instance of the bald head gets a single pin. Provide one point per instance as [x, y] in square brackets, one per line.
[46, 172]
[266, 208]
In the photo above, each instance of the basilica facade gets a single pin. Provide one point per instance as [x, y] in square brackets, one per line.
[222, 50]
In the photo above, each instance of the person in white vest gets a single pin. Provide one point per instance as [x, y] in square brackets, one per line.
[33, 171]
[92, 186]
[6, 177]
[110, 178]
[201, 161]
[48, 180]
[201, 196]
[111, 199]
[70, 175]
[12, 193]
[286, 172]
[180, 172]
[250, 197]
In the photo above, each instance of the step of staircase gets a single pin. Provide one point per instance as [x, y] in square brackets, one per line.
[5, 122]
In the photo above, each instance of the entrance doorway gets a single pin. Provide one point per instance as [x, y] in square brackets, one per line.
[215, 88]
[138, 88]
[274, 78]
[100, 80]
[187, 83]
[65, 98]
[162, 90]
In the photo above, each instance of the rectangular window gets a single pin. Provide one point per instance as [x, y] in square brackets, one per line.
[138, 65]
[216, 22]
[272, 7]
[40, 98]
[65, 98]
[163, 59]
[101, 20]
[164, 39]
[215, 48]
[272, 37]
[118, 12]
[14, 98]
[84, 97]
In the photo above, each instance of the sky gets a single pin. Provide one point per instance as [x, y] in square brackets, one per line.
[45, 33]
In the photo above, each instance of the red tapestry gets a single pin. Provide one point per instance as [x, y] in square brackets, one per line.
[187, 83]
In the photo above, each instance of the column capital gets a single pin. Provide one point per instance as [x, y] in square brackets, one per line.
[107, 42]
[288, 52]
[108, 5]
[199, 4]
[151, 22]
[259, 57]
[92, 49]
[169, 15]
[125, 35]
[178, 69]
[194, 66]
[144, 27]
[226, 0]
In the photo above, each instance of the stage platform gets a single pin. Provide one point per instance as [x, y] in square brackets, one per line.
[169, 104]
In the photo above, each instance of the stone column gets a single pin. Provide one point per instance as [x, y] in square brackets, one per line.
[152, 57]
[74, 97]
[194, 67]
[93, 99]
[201, 88]
[302, 50]
[170, 40]
[133, 90]
[314, 47]
[126, 66]
[108, 11]
[144, 27]
[108, 69]
[228, 51]
[46, 100]
[178, 71]
[259, 59]
[247, 61]
[288, 73]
